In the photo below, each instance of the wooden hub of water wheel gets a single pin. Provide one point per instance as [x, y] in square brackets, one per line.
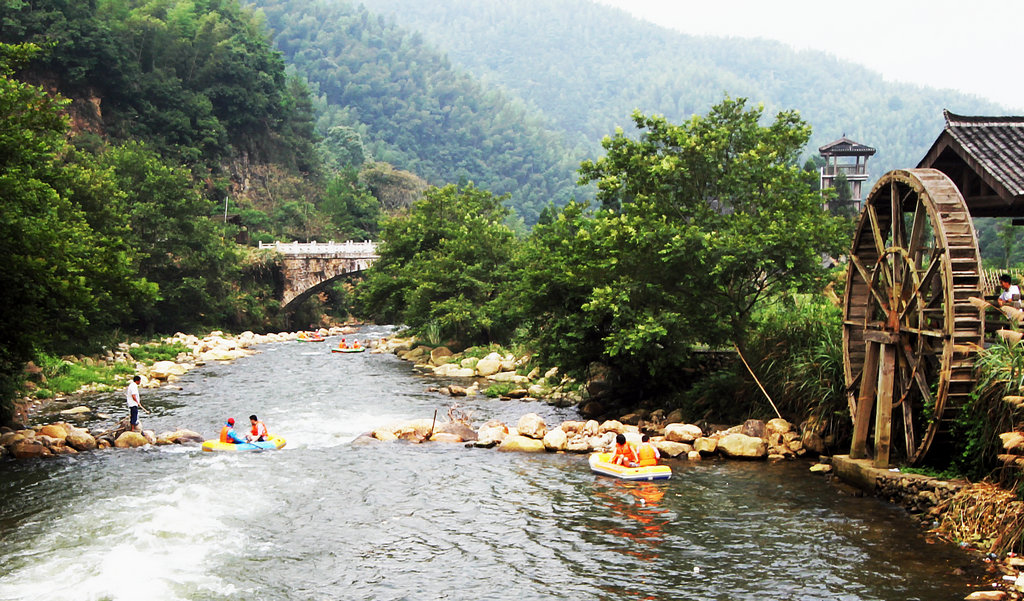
[909, 330]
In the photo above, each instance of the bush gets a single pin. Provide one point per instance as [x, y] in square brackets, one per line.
[500, 389]
[151, 353]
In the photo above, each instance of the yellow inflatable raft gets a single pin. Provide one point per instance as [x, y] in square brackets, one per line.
[273, 443]
[599, 464]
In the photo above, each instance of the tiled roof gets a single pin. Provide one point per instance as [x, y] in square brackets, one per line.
[996, 143]
[846, 146]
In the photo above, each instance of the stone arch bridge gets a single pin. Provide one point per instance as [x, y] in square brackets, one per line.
[308, 268]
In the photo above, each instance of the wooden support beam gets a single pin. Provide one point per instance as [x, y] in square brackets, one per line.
[865, 401]
[883, 409]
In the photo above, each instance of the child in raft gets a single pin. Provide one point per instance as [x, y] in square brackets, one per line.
[624, 453]
[647, 453]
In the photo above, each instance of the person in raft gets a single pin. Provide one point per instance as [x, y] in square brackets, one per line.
[647, 453]
[1011, 293]
[624, 453]
[228, 433]
[259, 430]
[131, 395]
[342, 344]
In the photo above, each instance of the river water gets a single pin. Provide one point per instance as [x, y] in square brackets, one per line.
[323, 519]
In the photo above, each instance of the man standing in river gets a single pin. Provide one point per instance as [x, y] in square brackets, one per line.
[134, 402]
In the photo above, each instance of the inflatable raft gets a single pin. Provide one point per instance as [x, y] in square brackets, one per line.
[348, 350]
[273, 443]
[305, 338]
[599, 464]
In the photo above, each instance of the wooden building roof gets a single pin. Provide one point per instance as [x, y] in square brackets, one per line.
[845, 147]
[984, 156]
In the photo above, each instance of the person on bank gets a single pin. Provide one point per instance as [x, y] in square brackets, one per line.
[647, 454]
[258, 432]
[1011, 292]
[229, 434]
[624, 453]
[134, 402]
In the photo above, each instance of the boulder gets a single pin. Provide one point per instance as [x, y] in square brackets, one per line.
[489, 365]
[515, 442]
[675, 417]
[9, 438]
[446, 437]
[682, 432]
[592, 409]
[130, 440]
[631, 418]
[813, 442]
[705, 445]
[492, 431]
[54, 431]
[80, 410]
[742, 446]
[518, 393]
[162, 369]
[986, 596]
[180, 436]
[578, 444]
[440, 355]
[670, 448]
[555, 440]
[532, 425]
[571, 427]
[778, 425]
[754, 428]
[590, 427]
[384, 434]
[102, 443]
[611, 425]
[29, 449]
[458, 429]
[538, 390]
[454, 390]
[693, 456]
[452, 370]
[469, 363]
[80, 440]
[821, 468]
[507, 376]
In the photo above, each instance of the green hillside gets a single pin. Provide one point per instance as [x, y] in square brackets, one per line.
[414, 110]
[588, 66]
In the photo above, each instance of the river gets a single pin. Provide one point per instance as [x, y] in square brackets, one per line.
[323, 519]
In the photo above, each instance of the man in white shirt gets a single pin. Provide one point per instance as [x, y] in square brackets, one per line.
[1011, 293]
[134, 403]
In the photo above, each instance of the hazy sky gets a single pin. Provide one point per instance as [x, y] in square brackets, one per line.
[969, 45]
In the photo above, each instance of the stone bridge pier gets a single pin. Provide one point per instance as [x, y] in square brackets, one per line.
[308, 268]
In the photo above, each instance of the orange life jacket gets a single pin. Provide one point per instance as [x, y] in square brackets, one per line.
[625, 450]
[256, 430]
[647, 455]
[224, 434]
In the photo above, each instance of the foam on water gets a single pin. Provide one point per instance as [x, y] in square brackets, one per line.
[157, 541]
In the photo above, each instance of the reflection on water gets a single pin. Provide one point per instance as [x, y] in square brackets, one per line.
[323, 519]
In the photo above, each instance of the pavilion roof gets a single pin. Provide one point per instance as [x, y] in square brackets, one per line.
[846, 147]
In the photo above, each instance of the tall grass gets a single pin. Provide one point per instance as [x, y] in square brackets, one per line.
[999, 370]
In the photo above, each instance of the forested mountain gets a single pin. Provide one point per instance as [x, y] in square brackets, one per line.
[588, 66]
[413, 110]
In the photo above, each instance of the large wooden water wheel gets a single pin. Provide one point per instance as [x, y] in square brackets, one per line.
[909, 330]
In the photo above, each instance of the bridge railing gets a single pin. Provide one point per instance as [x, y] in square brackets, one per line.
[349, 248]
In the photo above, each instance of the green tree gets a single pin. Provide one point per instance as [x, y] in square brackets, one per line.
[701, 223]
[64, 282]
[443, 264]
